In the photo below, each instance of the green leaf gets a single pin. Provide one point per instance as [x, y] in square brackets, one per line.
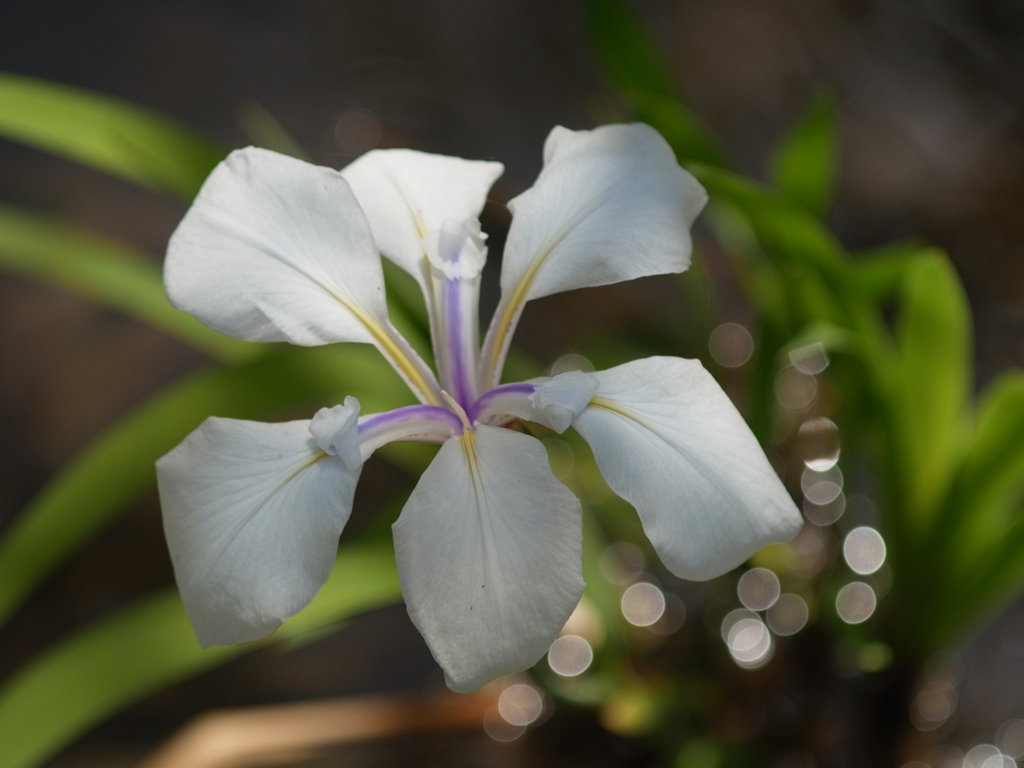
[881, 272]
[805, 167]
[265, 131]
[994, 465]
[117, 467]
[47, 250]
[633, 62]
[987, 581]
[107, 134]
[625, 50]
[149, 646]
[784, 229]
[933, 337]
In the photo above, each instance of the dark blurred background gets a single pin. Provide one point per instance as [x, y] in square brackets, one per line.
[931, 99]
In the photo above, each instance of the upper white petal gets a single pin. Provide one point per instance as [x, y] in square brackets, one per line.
[275, 249]
[668, 440]
[408, 194]
[252, 513]
[489, 550]
[611, 204]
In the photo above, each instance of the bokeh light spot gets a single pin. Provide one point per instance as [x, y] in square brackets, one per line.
[986, 756]
[643, 604]
[731, 345]
[795, 390]
[819, 444]
[856, 602]
[747, 638]
[570, 655]
[758, 589]
[520, 704]
[1010, 738]
[864, 550]
[810, 359]
[822, 488]
[788, 615]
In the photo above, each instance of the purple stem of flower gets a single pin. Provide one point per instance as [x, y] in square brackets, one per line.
[412, 416]
[414, 423]
[489, 403]
[461, 370]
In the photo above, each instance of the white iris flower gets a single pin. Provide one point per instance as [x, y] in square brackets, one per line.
[489, 544]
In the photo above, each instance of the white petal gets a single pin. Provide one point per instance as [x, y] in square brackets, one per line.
[489, 550]
[669, 441]
[252, 513]
[408, 194]
[611, 204]
[275, 249]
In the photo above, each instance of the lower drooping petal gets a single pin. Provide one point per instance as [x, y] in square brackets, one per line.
[489, 550]
[252, 514]
[668, 440]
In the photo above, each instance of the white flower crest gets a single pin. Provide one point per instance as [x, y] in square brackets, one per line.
[489, 543]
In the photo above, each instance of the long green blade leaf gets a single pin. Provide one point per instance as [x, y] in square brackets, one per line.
[149, 646]
[634, 63]
[881, 272]
[118, 466]
[933, 336]
[994, 465]
[47, 250]
[628, 55]
[107, 134]
[806, 165]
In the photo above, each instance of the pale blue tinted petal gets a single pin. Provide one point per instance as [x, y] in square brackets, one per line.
[489, 550]
[252, 513]
[668, 440]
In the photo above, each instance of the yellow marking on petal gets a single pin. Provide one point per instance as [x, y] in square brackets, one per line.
[514, 304]
[620, 410]
[519, 294]
[392, 349]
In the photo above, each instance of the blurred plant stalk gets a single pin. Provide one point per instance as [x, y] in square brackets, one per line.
[238, 738]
